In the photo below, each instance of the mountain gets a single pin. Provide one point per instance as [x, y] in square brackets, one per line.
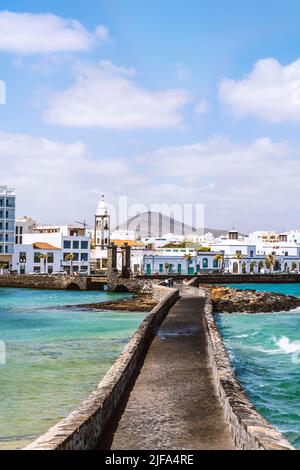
[154, 224]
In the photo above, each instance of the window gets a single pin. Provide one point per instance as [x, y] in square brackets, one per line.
[216, 264]
[205, 263]
[251, 253]
[286, 253]
[22, 257]
[50, 269]
[84, 245]
[67, 244]
[75, 245]
[179, 269]
[161, 268]
[50, 258]
[17, 227]
[104, 263]
[84, 257]
[36, 257]
[37, 269]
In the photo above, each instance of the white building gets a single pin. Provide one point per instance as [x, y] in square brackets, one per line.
[37, 258]
[7, 226]
[72, 242]
[189, 264]
[100, 238]
[155, 243]
[128, 235]
[23, 225]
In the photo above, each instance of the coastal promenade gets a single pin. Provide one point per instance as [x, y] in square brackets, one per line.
[174, 402]
[173, 387]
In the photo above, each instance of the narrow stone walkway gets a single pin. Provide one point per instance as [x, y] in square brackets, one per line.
[174, 404]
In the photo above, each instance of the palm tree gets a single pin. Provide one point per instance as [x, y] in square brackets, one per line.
[220, 259]
[45, 258]
[270, 262]
[2, 266]
[260, 266]
[188, 259]
[252, 266]
[70, 257]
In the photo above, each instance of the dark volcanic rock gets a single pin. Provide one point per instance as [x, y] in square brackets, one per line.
[229, 300]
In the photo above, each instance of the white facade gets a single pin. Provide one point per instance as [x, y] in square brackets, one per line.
[100, 237]
[123, 235]
[69, 241]
[204, 263]
[27, 259]
[23, 225]
[7, 226]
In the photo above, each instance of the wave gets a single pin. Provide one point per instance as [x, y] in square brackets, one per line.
[287, 346]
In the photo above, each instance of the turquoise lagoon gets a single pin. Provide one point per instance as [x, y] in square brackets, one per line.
[265, 351]
[55, 356]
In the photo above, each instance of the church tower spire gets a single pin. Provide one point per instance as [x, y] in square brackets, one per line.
[102, 225]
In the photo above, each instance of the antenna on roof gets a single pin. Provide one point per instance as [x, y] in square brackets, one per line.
[83, 224]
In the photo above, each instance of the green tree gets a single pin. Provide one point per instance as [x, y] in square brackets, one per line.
[270, 262]
[220, 259]
[70, 257]
[45, 258]
[188, 259]
[260, 266]
[2, 266]
[252, 266]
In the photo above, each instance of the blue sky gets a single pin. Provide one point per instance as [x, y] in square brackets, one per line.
[162, 101]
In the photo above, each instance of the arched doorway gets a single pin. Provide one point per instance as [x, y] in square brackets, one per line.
[235, 268]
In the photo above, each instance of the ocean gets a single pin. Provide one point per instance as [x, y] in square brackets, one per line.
[55, 356]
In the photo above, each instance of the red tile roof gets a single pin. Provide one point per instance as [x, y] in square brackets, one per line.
[44, 246]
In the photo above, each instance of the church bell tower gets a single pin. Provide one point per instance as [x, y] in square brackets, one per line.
[102, 226]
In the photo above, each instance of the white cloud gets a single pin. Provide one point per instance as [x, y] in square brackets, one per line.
[250, 185]
[201, 107]
[183, 72]
[56, 181]
[44, 33]
[270, 92]
[253, 185]
[107, 96]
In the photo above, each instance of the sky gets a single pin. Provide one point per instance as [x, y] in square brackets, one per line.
[164, 102]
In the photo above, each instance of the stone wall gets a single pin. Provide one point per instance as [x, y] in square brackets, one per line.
[83, 429]
[249, 429]
[247, 279]
[134, 284]
[231, 278]
[44, 282]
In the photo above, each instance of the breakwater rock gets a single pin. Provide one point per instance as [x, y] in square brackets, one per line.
[139, 303]
[229, 300]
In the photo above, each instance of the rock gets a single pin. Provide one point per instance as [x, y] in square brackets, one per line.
[229, 300]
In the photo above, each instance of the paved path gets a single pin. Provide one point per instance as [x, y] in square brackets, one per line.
[173, 403]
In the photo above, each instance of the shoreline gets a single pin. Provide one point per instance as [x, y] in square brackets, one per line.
[138, 303]
[230, 300]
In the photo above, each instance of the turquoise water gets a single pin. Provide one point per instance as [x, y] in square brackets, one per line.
[265, 351]
[55, 356]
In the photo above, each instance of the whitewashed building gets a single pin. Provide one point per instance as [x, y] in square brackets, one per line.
[38, 258]
[72, 242]
[7, 227]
